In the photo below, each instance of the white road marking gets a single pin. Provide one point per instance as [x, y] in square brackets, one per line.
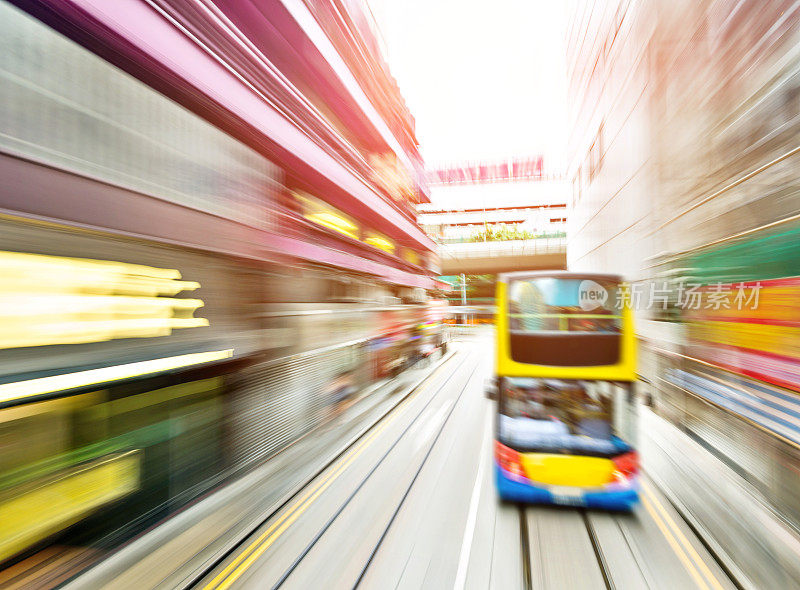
[472, 515]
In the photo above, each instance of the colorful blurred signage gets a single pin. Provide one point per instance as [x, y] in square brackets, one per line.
[48, 300]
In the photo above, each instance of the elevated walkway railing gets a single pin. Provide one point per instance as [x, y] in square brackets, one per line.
[530, 247]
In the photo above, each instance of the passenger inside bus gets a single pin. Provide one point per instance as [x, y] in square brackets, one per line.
[558, 416]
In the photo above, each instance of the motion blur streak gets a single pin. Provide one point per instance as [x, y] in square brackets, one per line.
[64, 501]
[162, 160]
[228, 354]
[683, 160]
[51, 300]
[246, 558]
[22, 389]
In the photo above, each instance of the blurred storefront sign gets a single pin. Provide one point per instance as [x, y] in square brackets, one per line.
[50, 300]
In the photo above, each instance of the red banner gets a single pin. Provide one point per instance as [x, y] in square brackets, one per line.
[503, 171]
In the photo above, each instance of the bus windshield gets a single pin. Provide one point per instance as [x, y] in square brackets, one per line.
[555, 416]
[548, 304]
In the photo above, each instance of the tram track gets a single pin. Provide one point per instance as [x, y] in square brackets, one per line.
[598, 551]
[710, 547]
[402, 516]
[416, 476]
[363, 481]
[290, 506]
[525, 543]
[600, 541]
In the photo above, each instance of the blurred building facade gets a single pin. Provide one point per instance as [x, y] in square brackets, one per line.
[253, 120]
[670, 105]
[207, 226]
[683, 163]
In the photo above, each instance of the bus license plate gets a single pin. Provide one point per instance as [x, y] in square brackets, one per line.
[567, 496]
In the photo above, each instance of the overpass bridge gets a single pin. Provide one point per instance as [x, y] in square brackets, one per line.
[503, 256]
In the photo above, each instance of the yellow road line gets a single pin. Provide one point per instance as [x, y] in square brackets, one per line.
[701, 563]
[287, 522]
[687, 563]
[245, 559]
[300, 505]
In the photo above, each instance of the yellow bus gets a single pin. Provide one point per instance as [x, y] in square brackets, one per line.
[565, 370]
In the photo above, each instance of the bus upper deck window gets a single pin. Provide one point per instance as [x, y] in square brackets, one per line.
[552, 304]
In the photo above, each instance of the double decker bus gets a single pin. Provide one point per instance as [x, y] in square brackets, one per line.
[565, 369]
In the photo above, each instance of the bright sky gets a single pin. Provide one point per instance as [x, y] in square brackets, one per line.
[484, 79]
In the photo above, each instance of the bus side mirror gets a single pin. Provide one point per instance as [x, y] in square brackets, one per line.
[490, 389]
